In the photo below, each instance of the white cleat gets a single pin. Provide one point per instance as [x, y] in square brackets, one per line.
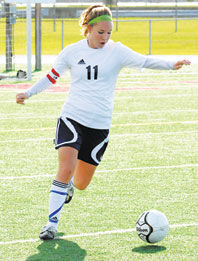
[48, 233]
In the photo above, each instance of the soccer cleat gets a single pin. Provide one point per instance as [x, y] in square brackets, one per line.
[69, 195]
[48, 233]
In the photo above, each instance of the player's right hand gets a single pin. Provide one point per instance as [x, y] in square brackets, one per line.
[20, 97]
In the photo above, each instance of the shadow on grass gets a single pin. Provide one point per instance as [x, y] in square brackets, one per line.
[58, 249]
[148, 249]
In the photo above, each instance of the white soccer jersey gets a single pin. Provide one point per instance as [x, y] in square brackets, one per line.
[93, 78]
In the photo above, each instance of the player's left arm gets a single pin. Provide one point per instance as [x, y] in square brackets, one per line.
[178, 65]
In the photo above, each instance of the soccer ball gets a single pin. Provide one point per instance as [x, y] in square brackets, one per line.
[152, 226]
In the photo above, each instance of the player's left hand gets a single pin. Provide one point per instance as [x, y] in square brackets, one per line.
[179, 64]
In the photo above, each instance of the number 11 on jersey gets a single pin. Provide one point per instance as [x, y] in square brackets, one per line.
[89, 72]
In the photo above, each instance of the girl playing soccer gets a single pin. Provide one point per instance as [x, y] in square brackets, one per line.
[82, 132]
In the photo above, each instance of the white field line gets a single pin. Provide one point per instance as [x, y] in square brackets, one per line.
[28, 130]
[156, 96]
[16, 114]
[24, 140]
[152, 134]
[175, 84]
[113, 125]
[94, 234]
[2, 117]
[35, 101]
[112, 136]
[116, 98]
[142, 73]
[144, 82]
[104, 171]
[120, 125]
[160, 74]
[15, 91]
[149, 112]
[29, 117]
[153, 123]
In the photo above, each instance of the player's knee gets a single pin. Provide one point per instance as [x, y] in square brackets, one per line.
[81, 186]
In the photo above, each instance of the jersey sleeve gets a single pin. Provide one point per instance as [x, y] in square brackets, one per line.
[59, 68]
[130, 58]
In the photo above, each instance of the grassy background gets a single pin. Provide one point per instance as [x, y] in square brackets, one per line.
[154, 125]
[134, 34]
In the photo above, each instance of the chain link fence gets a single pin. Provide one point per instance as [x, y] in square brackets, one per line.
[59, 27]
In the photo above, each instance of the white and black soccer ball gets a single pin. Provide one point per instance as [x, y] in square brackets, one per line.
[152, 226]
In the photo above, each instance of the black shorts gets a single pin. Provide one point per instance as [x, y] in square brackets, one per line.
[90, 143]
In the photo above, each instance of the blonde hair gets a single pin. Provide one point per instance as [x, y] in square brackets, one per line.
[90, 13]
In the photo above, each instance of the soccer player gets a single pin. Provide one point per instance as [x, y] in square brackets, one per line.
[82, 132]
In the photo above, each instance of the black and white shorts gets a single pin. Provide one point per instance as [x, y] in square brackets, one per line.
[90, 143]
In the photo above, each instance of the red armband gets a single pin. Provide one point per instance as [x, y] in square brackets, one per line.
[53, 76]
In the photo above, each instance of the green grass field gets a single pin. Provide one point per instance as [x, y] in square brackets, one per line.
[151, 163]
[134, 34]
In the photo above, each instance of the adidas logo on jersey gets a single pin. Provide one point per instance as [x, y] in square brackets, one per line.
[81, 62]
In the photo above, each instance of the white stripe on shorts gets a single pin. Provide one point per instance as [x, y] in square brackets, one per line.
[72, 129]
[97, 148]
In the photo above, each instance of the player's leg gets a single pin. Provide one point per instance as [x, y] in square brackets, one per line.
[67, 160]
[67, 156]
[83, 174]
[90, 154]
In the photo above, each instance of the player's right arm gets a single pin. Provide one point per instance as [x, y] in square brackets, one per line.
[45, 82]
[39, 86]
